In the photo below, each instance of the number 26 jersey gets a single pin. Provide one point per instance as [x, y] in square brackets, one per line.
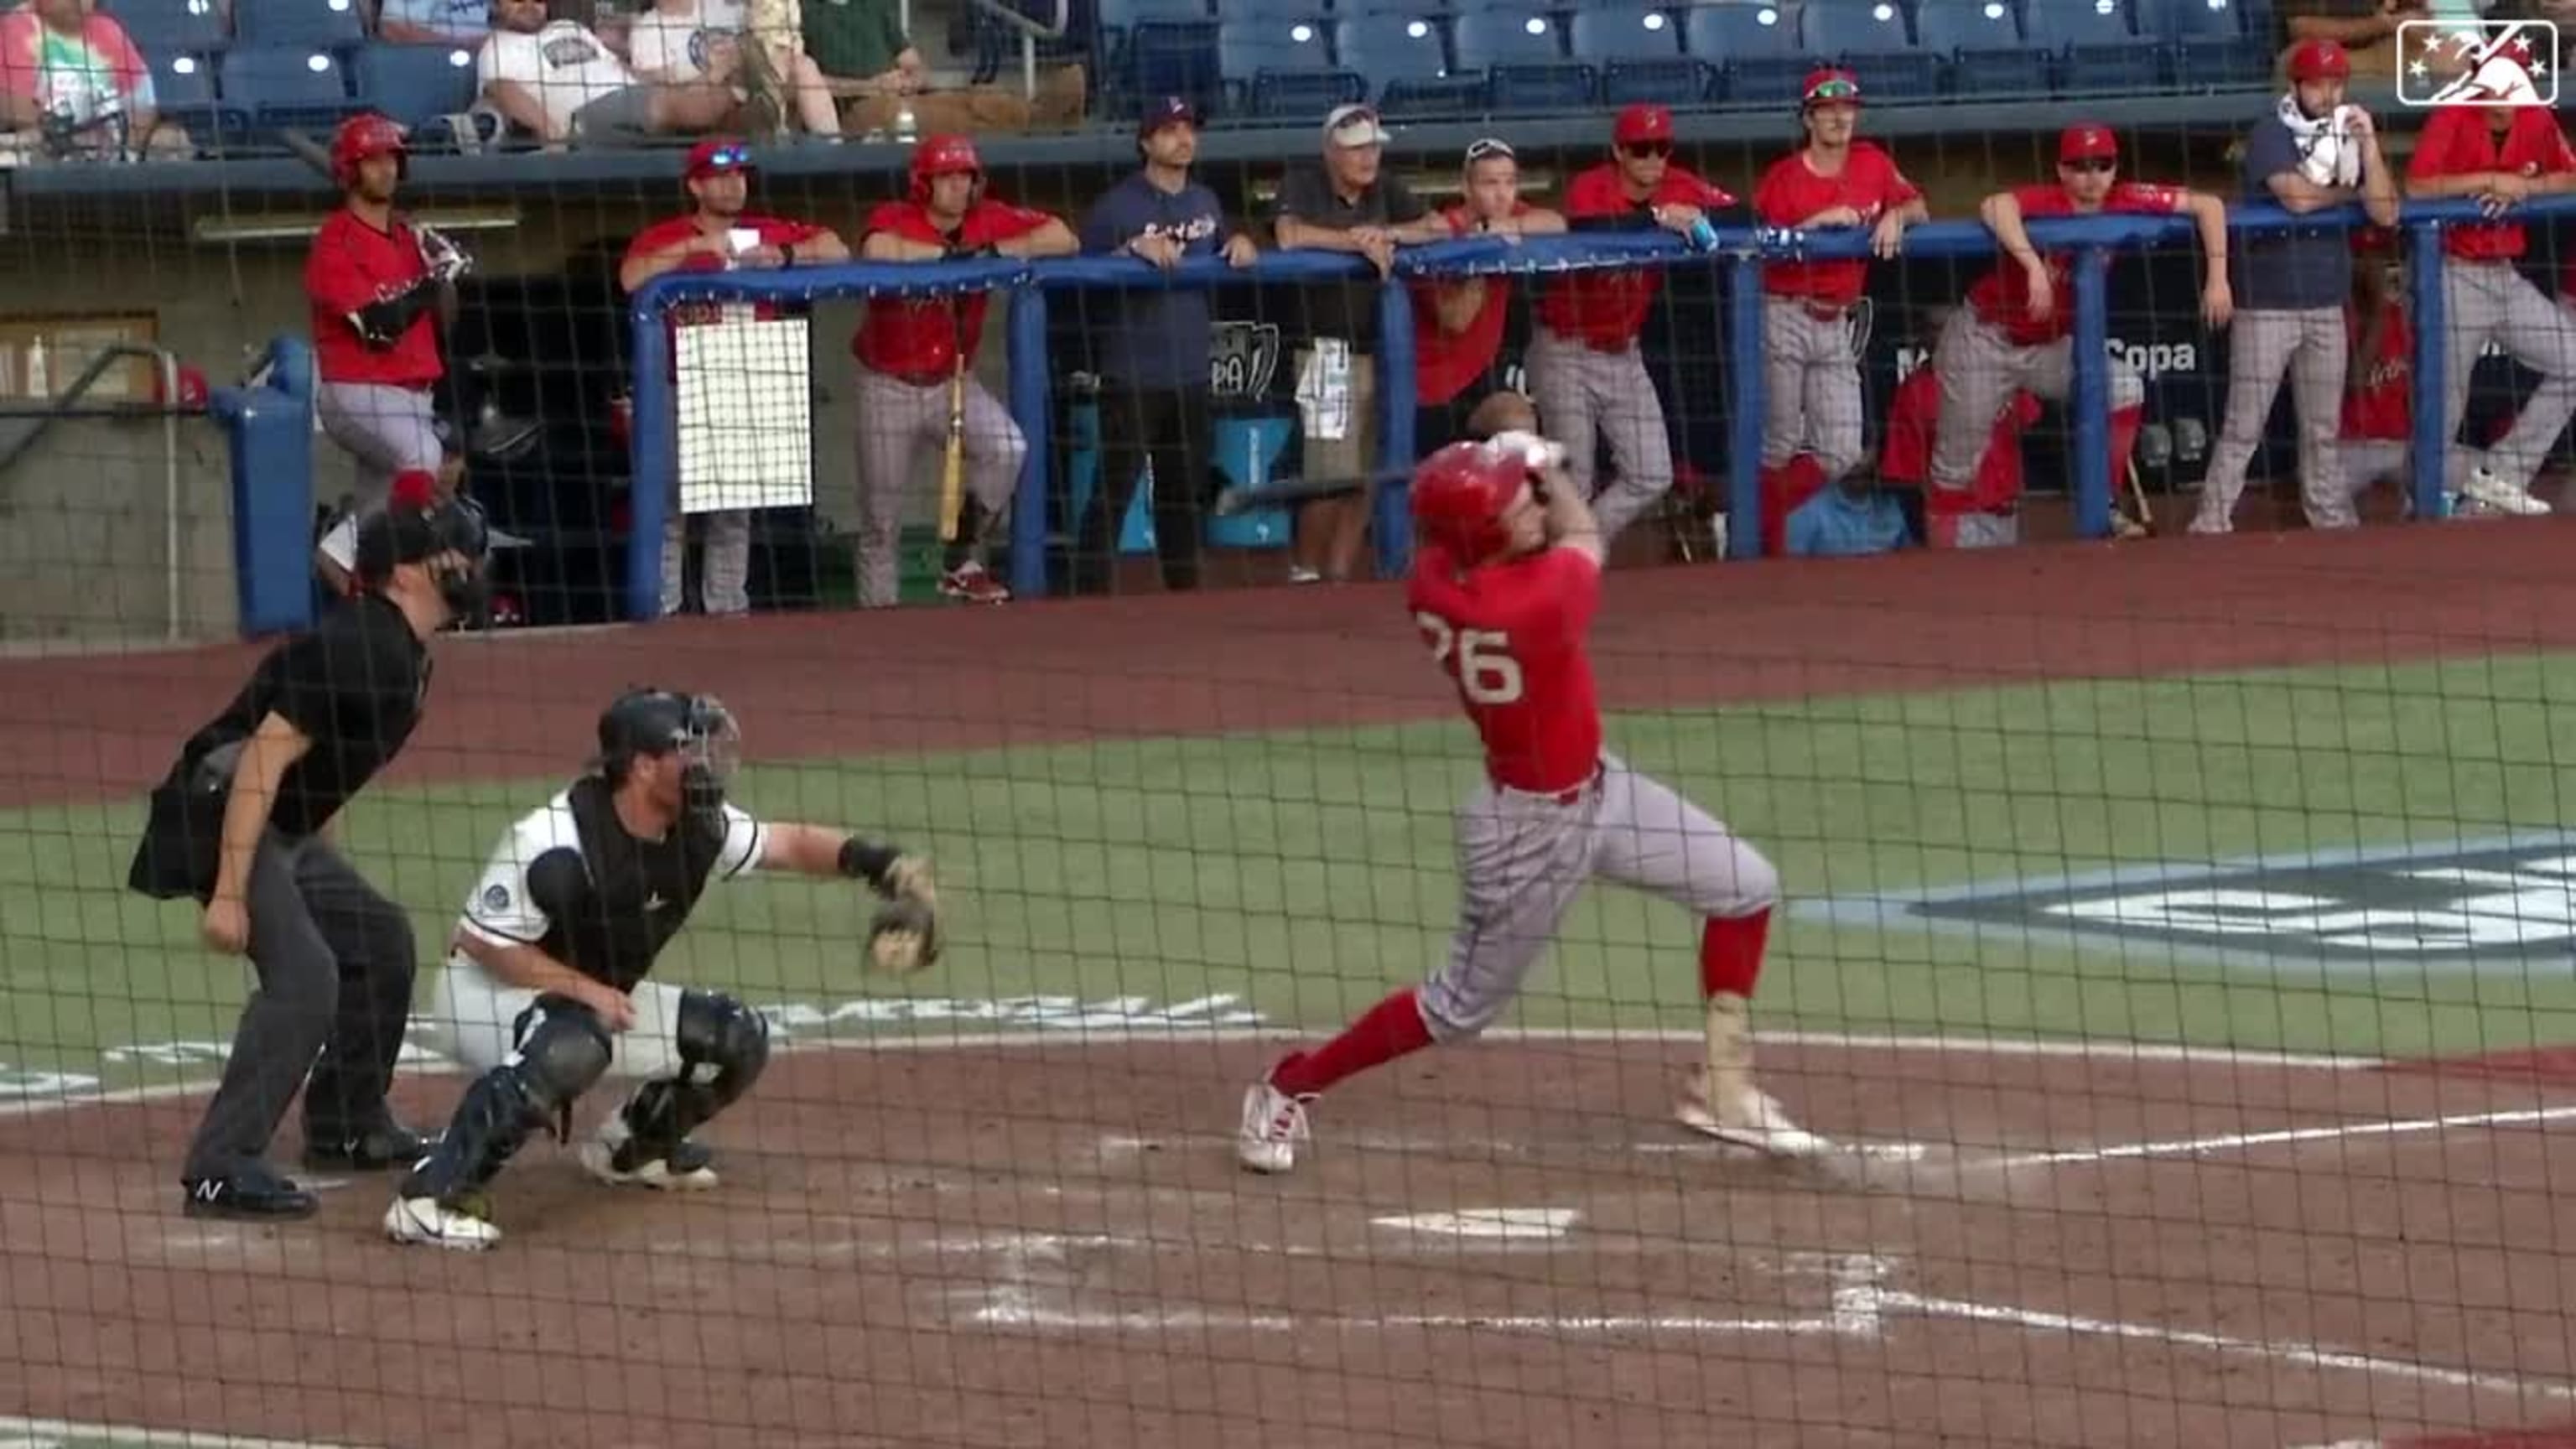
[1511, 636]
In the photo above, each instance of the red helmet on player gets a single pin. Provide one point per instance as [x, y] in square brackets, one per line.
[361, 137]
[942, 156]
[1460, 494]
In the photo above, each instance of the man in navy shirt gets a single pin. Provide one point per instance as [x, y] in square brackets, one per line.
[1154, 351]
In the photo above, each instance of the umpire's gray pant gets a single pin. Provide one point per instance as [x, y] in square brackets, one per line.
[1584, 395]
[1811, 397]
[2487, 302]
[2309, 343]
[335, 962]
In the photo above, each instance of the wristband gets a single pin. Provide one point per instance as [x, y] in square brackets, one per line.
[866, 860]
[787, 254]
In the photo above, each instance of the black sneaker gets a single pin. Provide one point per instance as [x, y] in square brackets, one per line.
[248, 1196]
[374, 1150]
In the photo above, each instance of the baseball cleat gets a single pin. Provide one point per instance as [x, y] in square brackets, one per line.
[2501, 494]
[1273, 1124]
[973, 583]
[253, 1196]
[1747, 1117]
[374, 1150]
[430, 1223]
[687, 1168]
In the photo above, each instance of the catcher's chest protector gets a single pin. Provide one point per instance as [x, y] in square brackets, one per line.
[640, 891]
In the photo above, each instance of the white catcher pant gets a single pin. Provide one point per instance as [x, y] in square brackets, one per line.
[477, 1018]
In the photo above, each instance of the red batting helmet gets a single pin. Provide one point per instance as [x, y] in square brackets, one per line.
[1460, 494]
[362, 136]
[942, 156]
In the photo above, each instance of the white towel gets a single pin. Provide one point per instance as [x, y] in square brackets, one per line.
[2329, 154]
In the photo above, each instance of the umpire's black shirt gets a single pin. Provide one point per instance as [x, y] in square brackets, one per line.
[353, 685]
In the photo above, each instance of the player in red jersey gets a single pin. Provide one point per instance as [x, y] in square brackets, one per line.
[2014, 332]
[1813, 317]
[1506, 576]
[1913, 430]
[1584, 366]
[378, 287]
[909, 347]
[716, 234]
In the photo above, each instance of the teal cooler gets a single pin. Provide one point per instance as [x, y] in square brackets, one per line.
[1248, 446]
[269, 426]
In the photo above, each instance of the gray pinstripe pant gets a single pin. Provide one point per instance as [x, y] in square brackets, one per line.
[1810, 388]
[1584, 395]
[2310, 345]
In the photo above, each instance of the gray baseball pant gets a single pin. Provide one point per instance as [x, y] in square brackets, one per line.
[725, 582]
[897, 420]
[1811, 388]
[1980, 369]
[335, 961]
[2493, 302]
[1524, 858]
[388, 430]
[1584, 395]
[2310, 344]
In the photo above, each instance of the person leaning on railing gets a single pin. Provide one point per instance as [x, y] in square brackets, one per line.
[1458, 322]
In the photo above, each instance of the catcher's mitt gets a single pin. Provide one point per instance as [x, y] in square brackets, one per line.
[903, 936]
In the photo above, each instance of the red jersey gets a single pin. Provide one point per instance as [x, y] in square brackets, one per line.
[1511, 635]
[1914, 429]
[2456, 141]
[1606, 309]
[1791, 192]
[1443, 365]
[351, 265]
[2002, 296]
[916, 338]
[772, 231]
[2383, 406]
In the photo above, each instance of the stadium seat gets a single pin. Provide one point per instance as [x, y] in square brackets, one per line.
[1639, 52]
[1872, 38]
[1174, 58]
[2208, 42]
[1750, 45]
[1982, 41]
[183, 90]
[1405, 62]
[416, 84]
[2094, 46]
[324, 24]
[1522, 54]
[283, 87]
[1283, 69]
[1184, 26]
[167, 27]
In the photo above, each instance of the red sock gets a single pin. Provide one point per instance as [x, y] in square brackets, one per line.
[2124, 441]
[1384, 1032]
[1730, 953]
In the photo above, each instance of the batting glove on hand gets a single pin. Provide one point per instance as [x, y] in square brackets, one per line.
[1538, 453]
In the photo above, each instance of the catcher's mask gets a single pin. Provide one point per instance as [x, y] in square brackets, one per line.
[660, 722]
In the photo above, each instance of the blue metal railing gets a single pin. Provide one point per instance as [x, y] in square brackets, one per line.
[1740, 252]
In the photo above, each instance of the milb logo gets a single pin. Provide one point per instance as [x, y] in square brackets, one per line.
[2457, 904]
[2477, 62]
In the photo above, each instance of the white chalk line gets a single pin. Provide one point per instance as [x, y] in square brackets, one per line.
[17, 1433]
[2246, 1141]
[1118, 1147]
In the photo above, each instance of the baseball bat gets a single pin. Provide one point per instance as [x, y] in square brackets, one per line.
[307, 150]
[1284, 491]
[952, 468]
[2138, 495]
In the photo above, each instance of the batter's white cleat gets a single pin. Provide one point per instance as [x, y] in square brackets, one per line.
[1273, 1124]
[1746, 1117]
[2502, 494]
[427, 1222]
[685, 1170]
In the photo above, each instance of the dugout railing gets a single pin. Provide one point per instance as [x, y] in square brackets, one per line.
[1738, 254]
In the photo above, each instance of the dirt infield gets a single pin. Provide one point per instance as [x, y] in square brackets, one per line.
[1049, 1244]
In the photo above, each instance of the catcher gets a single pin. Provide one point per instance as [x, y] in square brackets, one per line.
[545, 992]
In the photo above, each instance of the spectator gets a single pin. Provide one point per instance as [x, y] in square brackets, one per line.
[910, 348]
[1154, 354]
[565, 86]
[1458, 324]
[75, 77]
[1343, 204]
[2365, 28]
[2312, 152]
[1585, 366]
[2502, 155]
[1811, 372]
[1989, 507]
[434, 22]
[2014, 332]
[716, 235]
[679, 42]
[866, 58]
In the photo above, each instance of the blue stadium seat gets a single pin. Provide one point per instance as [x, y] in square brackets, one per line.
[1872, 38]
[183, 91]
[2211, 42]
[1522, 53]
[1174, 58]
[1983, 43]
[1639, 51]
[160, 27]
[282, 87]
[324, 24]
[416, 84]
[1113, 42]
[1405, 62]
[2097, 50]
[1752, 45]
[1283, 69]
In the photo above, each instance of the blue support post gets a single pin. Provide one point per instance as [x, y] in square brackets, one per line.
[1744, 395]
[2092, 401]
[1393, 503]
[653, 469]
[1032, 398]
[2431, 450]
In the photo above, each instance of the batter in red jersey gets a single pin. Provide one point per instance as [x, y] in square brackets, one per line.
[908, 347]
[1584, 365]
[378, 287]
[1812, 311]
[2013, 333]
[718, 235]
[2502, 155]
[1506, 578]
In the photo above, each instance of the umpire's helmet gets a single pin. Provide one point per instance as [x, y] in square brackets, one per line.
[1460, 494]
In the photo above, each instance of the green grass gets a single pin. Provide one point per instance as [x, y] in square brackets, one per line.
[1308, 872]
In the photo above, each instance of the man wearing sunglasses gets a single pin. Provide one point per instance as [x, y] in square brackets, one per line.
[1458, 324]
[2013, 334]
[1585, 367]
[717, 235]
[1810, 366]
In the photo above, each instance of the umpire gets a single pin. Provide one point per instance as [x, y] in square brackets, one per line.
[239, 824]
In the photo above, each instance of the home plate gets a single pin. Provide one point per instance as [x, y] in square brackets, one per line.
[1487, 1222]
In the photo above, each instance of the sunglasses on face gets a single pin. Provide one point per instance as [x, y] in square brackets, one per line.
[2090, 164]
[1648, 150]
[728, 157]
[1488, 147]
[1833, 91]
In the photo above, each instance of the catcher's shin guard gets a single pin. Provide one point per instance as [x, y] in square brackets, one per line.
[716, 1033]
[563, 1051]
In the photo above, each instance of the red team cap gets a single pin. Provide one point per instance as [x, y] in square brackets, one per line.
[2319, 60]
[1831, 85]
[716, 155]
[1459, 495]
[2087, 142]
[1642, 122]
